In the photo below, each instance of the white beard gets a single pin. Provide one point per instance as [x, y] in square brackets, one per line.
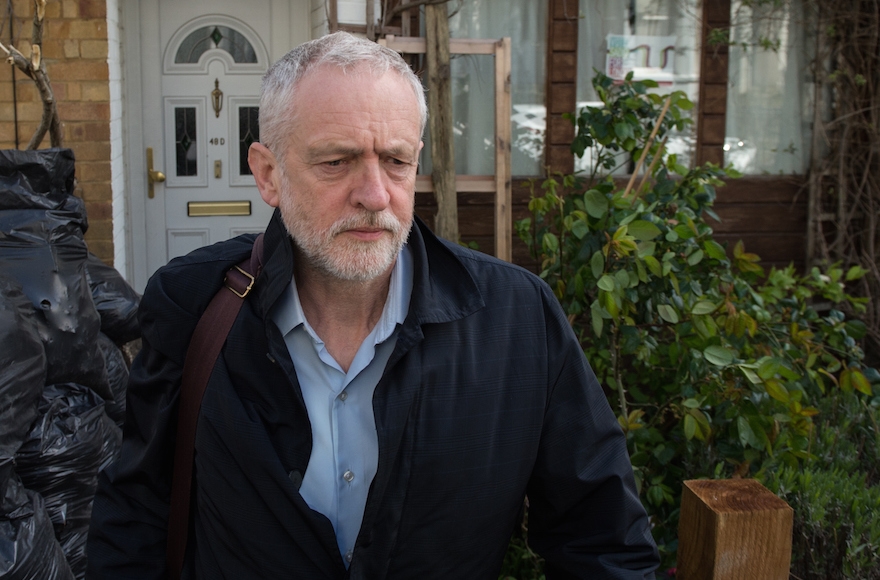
[343, 257]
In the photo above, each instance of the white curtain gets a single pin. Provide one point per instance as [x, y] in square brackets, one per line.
[768, 97]
[473, 85]
[646, 19]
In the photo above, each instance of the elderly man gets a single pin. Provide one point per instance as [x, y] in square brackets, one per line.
[385, 399]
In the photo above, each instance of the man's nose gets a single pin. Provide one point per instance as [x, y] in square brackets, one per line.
[371, 192]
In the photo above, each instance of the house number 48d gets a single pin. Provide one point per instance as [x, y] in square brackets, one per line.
[217, 141]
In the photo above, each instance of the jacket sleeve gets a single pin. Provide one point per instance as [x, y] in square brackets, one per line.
[585, 517]
[130, 515]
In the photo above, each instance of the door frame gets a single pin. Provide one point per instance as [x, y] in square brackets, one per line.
[291, 23]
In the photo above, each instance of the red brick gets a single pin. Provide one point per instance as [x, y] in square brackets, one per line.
[80, 70]
[94, 190]
[91, 150]
[99, 210]
[93, 171]
[75, 132]
[96, 49]
[79, 111]
[93, 8]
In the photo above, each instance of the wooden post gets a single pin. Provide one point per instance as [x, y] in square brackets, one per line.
[440, 121]
[733, 529]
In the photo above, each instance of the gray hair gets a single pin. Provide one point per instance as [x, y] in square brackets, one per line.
[339, 49]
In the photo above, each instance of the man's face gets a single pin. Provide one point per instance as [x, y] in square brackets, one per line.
[348, 172]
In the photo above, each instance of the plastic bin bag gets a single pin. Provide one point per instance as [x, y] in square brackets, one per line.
[42, 247]
[116, 301]
[117, 377]
[22, 371]
[66, 447]
[28, 548]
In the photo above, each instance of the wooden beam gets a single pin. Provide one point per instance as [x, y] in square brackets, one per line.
[468, 183]
[332, 15]
[503, 215]
[501, 50]
[733, 529]
[440, 120]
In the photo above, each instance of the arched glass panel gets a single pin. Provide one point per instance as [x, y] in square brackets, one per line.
[204, 39]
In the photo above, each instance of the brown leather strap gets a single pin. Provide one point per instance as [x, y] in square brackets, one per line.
[204, 348]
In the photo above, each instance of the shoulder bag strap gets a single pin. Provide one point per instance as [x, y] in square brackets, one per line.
[201, 355]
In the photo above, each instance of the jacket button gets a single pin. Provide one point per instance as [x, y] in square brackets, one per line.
[296, 478]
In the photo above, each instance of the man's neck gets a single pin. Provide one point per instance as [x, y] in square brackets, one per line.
[342, 312]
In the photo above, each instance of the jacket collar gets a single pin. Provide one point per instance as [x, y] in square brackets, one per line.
[443, 288]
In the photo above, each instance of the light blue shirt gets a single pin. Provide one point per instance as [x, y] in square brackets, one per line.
[345, 448]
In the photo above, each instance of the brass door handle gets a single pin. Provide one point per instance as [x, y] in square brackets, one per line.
[153, 176]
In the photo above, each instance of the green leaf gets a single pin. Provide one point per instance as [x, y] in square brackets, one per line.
[751, 375]
[703, 307]
[718, 355]
[623, 130]
[550, 243]
[606, 282]
[642, 273]
[768, 368]
[695, 258]
[597, 264]
[746, 435]
[596, 318]
[580, 228]
[643, 230]
[646, 249]
[860, 382]
[777, 390]
[596, 203]
[667, 313]
[654, 266]
[715, 250]
[690, 427]
[623, 279]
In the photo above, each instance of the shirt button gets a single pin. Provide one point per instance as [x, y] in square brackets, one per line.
[348, 556]
[348, 476]
[343, 396]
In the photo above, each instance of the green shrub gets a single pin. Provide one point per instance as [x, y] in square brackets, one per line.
[714, 368]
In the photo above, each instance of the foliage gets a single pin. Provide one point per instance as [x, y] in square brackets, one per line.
[837, 498]
[714, 368]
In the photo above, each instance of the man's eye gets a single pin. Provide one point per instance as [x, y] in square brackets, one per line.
[335, 163]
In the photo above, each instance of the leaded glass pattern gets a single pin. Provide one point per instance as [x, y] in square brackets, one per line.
[185, 141]
[208, 37]
[248, 132]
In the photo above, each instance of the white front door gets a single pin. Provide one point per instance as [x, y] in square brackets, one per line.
[200, 70]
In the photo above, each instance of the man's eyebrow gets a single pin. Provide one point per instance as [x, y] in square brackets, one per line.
[334, 150]
[400, 150]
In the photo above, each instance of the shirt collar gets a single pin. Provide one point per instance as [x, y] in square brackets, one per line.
[288, 313]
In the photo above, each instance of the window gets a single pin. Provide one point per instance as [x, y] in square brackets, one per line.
[198, 42]
[653, 39]
[768, 96]
[473, 86]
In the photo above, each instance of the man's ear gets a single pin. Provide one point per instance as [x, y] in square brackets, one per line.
[266, 172]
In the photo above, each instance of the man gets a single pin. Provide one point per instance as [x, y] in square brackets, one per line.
[385, 399]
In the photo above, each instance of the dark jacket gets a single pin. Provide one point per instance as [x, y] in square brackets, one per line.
[486, 398]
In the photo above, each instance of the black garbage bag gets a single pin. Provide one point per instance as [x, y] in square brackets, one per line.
[42, 247]
[117, 378]
[22, 371]
[28, 548]
[41, 179]
[71, 441]
[116, 301]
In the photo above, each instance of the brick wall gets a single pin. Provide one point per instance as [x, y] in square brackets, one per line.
[75, 54]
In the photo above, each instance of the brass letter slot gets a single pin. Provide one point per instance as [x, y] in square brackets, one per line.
[208, 208]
